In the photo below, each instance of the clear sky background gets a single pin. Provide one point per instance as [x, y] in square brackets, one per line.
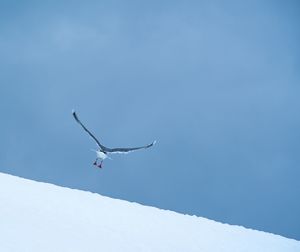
[215, 82]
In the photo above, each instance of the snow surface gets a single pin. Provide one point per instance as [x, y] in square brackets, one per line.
[37, 217]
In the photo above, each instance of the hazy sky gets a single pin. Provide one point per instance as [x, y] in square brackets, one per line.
[215, 82]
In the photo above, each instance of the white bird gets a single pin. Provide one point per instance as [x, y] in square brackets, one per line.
[103, 151]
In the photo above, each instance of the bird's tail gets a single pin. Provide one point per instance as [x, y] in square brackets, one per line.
[97, 151]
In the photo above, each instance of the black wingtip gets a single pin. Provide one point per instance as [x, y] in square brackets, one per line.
[153, 143]
[75, 115]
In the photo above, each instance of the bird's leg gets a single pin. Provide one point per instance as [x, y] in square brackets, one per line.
[95, 163]
[100, 165]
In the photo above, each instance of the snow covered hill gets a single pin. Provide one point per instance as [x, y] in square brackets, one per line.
[37, 217]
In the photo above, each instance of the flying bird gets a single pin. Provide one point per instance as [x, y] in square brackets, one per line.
[103, 152]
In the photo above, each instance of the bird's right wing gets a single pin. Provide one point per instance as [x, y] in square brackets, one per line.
[126, 150]
[91, 135]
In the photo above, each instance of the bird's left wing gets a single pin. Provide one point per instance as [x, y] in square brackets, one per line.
[102, 147]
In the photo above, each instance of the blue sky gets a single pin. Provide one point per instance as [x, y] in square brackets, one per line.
[217, 84]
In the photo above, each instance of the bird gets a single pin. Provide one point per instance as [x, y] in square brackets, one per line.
[103, 152]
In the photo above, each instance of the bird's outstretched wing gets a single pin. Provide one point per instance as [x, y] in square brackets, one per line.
[105, 149]
[126, 150]
[102, 147]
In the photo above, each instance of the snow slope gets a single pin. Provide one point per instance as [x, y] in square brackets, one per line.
[38, 217]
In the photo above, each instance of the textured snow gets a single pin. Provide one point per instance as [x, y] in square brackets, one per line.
[36, 217]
